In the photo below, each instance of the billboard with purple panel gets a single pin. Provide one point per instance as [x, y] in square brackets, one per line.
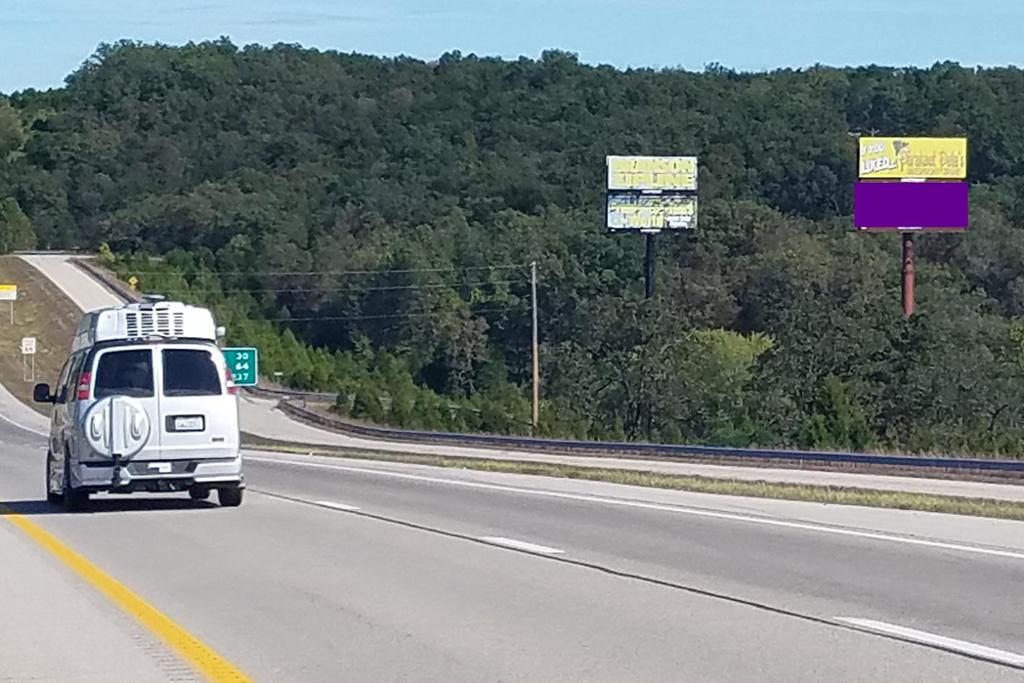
[898, 206]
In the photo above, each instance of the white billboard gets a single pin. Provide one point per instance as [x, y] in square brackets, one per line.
[652, 212]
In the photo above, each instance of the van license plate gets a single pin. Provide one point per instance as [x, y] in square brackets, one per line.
[188, 424]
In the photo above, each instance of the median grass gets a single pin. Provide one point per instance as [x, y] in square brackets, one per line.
[833, 495]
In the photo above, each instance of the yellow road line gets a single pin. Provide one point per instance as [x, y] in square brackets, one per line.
[210, 664]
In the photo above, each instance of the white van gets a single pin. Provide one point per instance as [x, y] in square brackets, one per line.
[145, 402]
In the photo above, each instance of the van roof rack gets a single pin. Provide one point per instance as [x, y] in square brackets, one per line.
[143, 322]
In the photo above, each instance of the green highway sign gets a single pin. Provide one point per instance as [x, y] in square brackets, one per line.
[244, 364]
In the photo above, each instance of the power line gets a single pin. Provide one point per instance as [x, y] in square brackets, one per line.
[419, 314]
[384, 288]
[296, 273]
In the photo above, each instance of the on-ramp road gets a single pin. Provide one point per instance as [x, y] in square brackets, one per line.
[347, 570]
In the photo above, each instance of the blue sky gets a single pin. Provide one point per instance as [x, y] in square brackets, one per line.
[41, 41]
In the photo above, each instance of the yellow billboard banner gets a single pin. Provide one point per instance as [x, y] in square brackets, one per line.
[8, 292]
[671, 174]
[895, 158]
[652, 212]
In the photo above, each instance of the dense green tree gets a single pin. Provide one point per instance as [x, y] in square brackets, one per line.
[15, 228]
[12, 131]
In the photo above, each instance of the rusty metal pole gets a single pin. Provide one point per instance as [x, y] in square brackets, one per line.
[908, 274]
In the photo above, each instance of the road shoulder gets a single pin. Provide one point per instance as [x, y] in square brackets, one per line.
[60, 629]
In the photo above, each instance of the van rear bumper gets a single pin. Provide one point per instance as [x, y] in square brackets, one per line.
[158, 475]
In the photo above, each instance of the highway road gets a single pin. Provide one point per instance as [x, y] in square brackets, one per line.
[261, 418]
[338, 569]
[344, 569]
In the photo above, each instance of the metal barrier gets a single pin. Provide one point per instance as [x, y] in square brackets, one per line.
[107, 280]
[648, 450]
[314, 396]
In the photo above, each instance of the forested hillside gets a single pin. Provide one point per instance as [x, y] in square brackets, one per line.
[367, 222]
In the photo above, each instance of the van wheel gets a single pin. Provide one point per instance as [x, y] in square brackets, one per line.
[73, 499]
[51, 497]
[196, 493]
[230, 497]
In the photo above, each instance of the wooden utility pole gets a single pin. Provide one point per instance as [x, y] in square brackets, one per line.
[536, 350]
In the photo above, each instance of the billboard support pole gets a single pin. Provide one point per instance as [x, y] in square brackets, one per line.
[536, 349]
[649, 267]
[908, 274]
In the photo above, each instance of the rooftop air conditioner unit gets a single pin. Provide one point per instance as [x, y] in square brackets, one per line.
[137, 321]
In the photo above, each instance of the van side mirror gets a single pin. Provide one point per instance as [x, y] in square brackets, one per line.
[41, 394]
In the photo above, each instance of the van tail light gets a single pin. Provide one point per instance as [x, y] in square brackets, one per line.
[229, 381]
[84, 380]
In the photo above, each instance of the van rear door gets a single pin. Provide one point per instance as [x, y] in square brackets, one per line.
[198, 414]
[125, 372]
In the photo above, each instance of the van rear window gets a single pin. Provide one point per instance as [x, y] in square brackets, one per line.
[190, 372]
[125, 373]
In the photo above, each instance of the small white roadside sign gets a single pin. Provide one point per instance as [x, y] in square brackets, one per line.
[28, 358]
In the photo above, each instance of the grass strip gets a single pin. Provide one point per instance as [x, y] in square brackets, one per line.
[833, 495]
[41, 311]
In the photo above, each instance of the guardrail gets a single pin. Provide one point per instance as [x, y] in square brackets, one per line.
[315, 396]
[647, 450]
[44, 252]
[107, 280]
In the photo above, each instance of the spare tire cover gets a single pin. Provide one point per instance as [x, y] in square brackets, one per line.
[117, 424]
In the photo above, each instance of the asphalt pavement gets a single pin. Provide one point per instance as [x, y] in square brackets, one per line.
[344, 569]
[261, 417]
[338, 569]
